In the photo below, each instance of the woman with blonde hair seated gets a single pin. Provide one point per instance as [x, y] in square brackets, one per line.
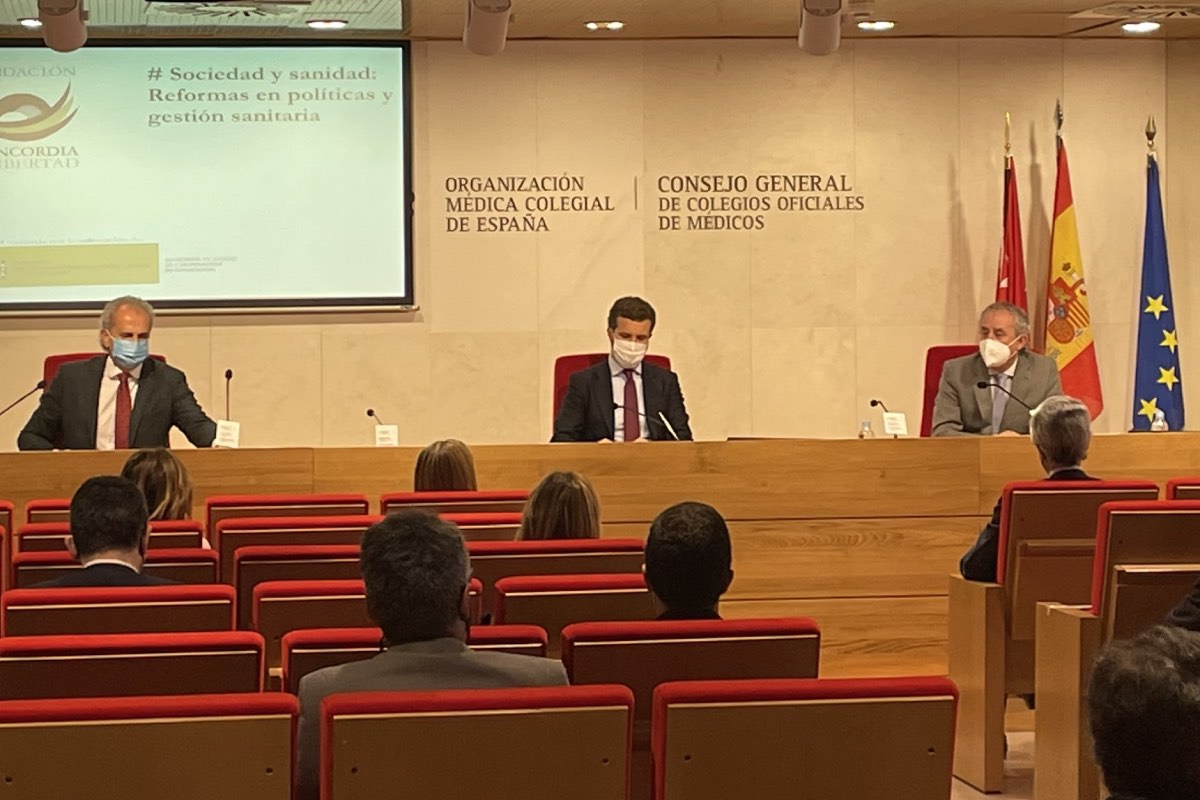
[164, 482]
[563, 505]
[445, 466]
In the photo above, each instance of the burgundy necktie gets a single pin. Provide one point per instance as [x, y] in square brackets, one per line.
[124, 406]
[633, 428]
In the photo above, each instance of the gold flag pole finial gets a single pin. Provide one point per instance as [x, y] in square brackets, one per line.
[1058, 118]
[1007, 135]
[1151, 132]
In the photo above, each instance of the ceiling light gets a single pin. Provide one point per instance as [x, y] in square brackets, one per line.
[1141, 26]
[327, 24]
[612, 25]
[32, 23]
[876, 25]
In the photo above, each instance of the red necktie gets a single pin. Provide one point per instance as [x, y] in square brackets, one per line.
[633, 428]
[124, 406]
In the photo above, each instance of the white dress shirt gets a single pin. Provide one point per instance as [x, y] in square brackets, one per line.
[106, 408]
[618, 387]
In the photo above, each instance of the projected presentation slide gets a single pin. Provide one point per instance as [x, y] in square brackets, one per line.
[204, 176]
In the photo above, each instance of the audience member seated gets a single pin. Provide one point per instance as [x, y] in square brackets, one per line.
[1061, 430]
[688, 561]
[562, 506]
[445, 466]
[415, 571]
[164, 482]
[109, 535]
[1144, 708]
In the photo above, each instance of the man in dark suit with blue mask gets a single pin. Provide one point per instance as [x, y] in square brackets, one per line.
[624, 399]
[121, 400]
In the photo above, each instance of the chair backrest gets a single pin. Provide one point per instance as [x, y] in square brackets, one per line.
[552, 602]
[1163, 534]
[8, 516]
[192, 747]
[40, 536]
[306, 651]
[492, 527]
[261, 563]
[48, 509]
[534, 743]
[195, 566]
[284, 606]
[1183, 489]
[37, 667]
[642, 655]
[566, 366]
[1046, 542]
[455, 502]
[116, 609]
[936, 358]
[493, 561]
[219, 507]
[235, 533]
[844, 738]
[51, 364]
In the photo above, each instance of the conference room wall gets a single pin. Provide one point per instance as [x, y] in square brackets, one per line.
[787, 331]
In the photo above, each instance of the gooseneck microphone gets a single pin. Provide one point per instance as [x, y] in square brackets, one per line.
[881, 405]
[371, 413]
[228, 378]
[15, 403]
[662, 420]
[990, 384]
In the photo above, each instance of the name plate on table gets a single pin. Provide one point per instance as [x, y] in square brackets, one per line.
[895, 423]
[228, 434]
[387, 435]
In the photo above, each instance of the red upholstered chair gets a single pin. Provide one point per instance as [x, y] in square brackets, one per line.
[237, 532]
[51, 364]
[56, 509]
[492, 561]
[306, 651]
[935, 359]
[487, 527]
[37, 667]
[1183, 489]
[8, 515]
[164, 534]
[219, 507]
[192, 747]
[566, 366]
[893, 738]
[541, 743]
[261, 563]
[553, 602]
[182, 565]
[116, 609]
[455, 502]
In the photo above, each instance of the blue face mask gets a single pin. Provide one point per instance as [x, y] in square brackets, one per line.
[130, 352]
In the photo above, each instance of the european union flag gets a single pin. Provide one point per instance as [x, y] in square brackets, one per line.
[1157, 385]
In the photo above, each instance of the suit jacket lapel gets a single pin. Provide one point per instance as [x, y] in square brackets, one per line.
[602, 395]
[89, 397]
[983, 397]
[145, 397]
[652, 396]
[1015, 414]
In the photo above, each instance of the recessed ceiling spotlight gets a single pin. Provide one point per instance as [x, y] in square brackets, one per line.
[1141, 26]
[613, 25]
[876, 25]
[327, 24]
[33, 23]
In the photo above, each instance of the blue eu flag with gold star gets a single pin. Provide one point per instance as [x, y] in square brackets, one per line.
[1157, 385]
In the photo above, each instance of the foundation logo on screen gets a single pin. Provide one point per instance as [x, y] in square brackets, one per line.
[29, 118]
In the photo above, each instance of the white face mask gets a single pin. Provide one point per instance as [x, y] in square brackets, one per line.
[627, 354]
[995, 354]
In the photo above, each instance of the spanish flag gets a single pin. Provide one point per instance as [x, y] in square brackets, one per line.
[1068, 323]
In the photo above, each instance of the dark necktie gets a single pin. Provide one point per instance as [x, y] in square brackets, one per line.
[633, 428]
[124, 406]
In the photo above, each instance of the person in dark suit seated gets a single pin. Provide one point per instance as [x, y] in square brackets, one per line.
[416, 573]
[120, 400]
[688, 561]
[1144, 713]
[621, 399]
[1061, 429]
[109, 534]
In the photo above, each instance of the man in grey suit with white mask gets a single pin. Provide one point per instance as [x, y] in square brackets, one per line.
[416, 573]
[1020, 380]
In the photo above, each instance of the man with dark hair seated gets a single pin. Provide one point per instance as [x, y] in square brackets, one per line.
[1144, 708]
[688, 561]
[109, 534]
[416, 574]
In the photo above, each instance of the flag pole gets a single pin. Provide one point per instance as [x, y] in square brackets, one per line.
[1007, 136]
[1151, 132]
[1058, 121]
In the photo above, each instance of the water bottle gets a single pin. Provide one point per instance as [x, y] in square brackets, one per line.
[1159, 423]
[865, 431]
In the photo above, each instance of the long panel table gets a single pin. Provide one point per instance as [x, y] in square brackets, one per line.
[857, 534]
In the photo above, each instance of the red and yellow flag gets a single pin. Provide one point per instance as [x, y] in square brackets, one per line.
[1068, 322]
